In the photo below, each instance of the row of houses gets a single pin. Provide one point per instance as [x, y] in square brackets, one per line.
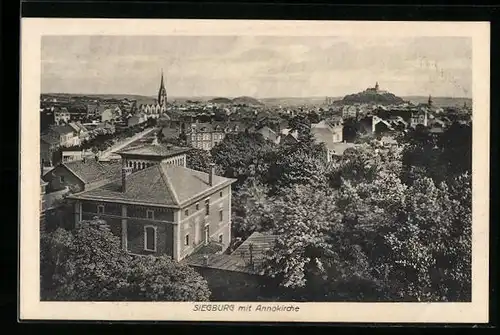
[72, 134]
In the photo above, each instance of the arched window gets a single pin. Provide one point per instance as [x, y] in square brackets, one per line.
[143, 165]
[135, 165]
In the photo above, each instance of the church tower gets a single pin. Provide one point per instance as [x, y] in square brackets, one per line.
[162, 94]
[429, 102]
[376, 86]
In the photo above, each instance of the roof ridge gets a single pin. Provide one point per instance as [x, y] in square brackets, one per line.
[166, 180]
[74, 173]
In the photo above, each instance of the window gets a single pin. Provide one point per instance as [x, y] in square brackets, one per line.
[207, 233]
[186, 212]
[100, 209]
[221, 215]
[197, 206]
[220, 238]
[207, 207]
[150, 214]
[150, 238]
[220, 194]
[186, 241]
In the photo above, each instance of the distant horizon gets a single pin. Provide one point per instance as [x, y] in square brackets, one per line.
[239, 96]
[257, 66]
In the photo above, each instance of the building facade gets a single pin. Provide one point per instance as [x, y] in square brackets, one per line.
[61, 116]
[207, 135]
[146, 155]
[162, 209]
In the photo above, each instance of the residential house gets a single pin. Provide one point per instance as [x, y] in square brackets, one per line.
[92, 109]
[76, 155]
[289, 136]
[110, 114]
[80, 130]
[162, 209]
[349, 111]
[269, 134]
[61, 116]
[328, 131]
[419, 117]
[374, 124]
[49, 144]
[207, 135]
[81, 175]
[66, 135]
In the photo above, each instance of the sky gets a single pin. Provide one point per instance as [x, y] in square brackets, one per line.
[258, 66]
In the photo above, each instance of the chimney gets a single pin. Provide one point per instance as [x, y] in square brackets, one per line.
[211, 174]
[126, 171]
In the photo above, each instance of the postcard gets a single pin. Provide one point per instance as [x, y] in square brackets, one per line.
[265, 171]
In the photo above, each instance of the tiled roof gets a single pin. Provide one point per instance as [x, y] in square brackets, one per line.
[161, 184]
[268, 133]
[260, 244]
[239, 260]
[322, 134]
[158, 150]
[91, 171]
[49, 138]
[61, 130]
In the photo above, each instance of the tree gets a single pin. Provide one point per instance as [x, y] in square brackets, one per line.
[251, 209]
[198, 159]
[89, 264]
[456, 144]
[94, 265]
[313, 253]
[162, 279]
[241, 155]
[54, 252]
[295, 166]
[302, 219]
[433, 247]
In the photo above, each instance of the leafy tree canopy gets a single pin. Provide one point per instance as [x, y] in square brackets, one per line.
[89, 264]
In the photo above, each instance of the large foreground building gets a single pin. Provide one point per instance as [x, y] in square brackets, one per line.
[160, 207]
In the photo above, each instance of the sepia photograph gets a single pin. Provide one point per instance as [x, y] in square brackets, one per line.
[255, 172]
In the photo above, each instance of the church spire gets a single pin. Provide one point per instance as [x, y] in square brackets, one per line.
[162, 93]
[162, 85]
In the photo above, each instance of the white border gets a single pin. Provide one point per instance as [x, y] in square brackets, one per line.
[30, 306]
